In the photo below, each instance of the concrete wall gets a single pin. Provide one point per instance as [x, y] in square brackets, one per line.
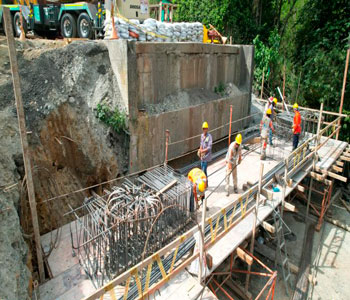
[152, 72]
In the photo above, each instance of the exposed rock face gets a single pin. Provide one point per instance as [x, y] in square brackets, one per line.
[70, 148]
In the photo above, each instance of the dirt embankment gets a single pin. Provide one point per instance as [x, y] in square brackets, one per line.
[70, 148]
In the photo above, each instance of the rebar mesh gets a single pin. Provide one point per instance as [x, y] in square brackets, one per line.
[110, 237]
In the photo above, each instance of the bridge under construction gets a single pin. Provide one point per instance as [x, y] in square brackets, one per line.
[137, 238]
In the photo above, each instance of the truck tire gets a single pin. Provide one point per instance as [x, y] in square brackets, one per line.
[68, 26]
[84, 26]
[17, 24]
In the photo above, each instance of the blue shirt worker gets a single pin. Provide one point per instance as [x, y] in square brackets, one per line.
[205, 148]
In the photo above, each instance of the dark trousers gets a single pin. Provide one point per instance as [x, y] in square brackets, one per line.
[192, 201]
[204, 166]
[295, 140]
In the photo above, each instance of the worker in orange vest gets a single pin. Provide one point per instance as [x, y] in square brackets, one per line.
[296, 126]
[199, 185]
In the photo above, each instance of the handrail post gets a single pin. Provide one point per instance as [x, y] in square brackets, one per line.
[167, 134]
[229, 132]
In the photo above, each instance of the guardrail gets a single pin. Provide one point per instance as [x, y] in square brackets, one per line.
[225, 220]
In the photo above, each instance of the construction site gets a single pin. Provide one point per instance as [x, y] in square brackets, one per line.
[97, 141]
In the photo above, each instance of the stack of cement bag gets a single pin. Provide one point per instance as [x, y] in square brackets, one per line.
[154, 31]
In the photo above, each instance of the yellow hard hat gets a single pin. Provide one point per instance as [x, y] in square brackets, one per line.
[295, 106]
[205, 125]
[269, 112]
[239, 139]
[201, 186]
[275, 100]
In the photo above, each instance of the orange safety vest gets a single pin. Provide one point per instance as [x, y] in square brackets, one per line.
[297, 123]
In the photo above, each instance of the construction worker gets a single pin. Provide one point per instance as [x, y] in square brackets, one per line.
[205, 148]
[296, 126]
[265, 126]
[234, 153]
[199, 185]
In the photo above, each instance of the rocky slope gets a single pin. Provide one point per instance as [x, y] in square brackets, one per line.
[70, 148]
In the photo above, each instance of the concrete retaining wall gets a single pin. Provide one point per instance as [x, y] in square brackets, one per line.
[152, 74]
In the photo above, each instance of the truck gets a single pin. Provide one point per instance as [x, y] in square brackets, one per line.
[69, 20]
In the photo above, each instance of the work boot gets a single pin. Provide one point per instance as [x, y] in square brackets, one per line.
[262, 156]
[235, 190]
[227, 193]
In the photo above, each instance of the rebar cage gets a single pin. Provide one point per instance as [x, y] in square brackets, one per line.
[132, 220]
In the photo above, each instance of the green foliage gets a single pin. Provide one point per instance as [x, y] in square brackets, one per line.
[115, 119]
[266, 57]
[220, 89]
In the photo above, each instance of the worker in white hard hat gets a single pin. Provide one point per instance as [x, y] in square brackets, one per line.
[204, 151]
[199, 185]
[265, 126]
[233, 159]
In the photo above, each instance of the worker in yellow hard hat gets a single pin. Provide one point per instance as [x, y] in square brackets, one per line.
[265, 127]
[204, 151]
[233, 159]
[296, 126]
[199, 185]
[271, 104]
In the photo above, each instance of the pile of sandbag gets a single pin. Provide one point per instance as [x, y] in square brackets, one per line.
[152, 30]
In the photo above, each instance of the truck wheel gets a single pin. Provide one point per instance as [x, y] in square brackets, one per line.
[68, 26]
[84, 26]
[17, 24]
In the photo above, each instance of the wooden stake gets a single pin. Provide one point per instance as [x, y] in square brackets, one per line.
[23, 136]
[343, 89]
[229, 133]
[262, 84]
[284, 83]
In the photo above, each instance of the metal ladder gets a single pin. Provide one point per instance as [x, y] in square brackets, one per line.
[282, 248]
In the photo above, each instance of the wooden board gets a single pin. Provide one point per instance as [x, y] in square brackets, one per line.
[330, 152]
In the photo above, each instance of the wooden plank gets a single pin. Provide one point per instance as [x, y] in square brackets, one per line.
[339, 163]
[343, 157]
[168, 186]
[331, 174]
[290, 207]
[268, 227]
[337, 169]
[320, 178]
[23, 135]
[244, 256]
[300, 188]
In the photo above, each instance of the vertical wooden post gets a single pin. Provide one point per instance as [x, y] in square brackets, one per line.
[201, 245]
[171, 13]
[229, 132]
[284, 83]
[256, 209]
[231, 40]
[160, 11]
[343, 89]
[167, 134]
[23, 136]
[262, 84]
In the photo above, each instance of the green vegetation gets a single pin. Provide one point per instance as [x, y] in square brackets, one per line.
[220, 89]
[113, 118]
[306, 39]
